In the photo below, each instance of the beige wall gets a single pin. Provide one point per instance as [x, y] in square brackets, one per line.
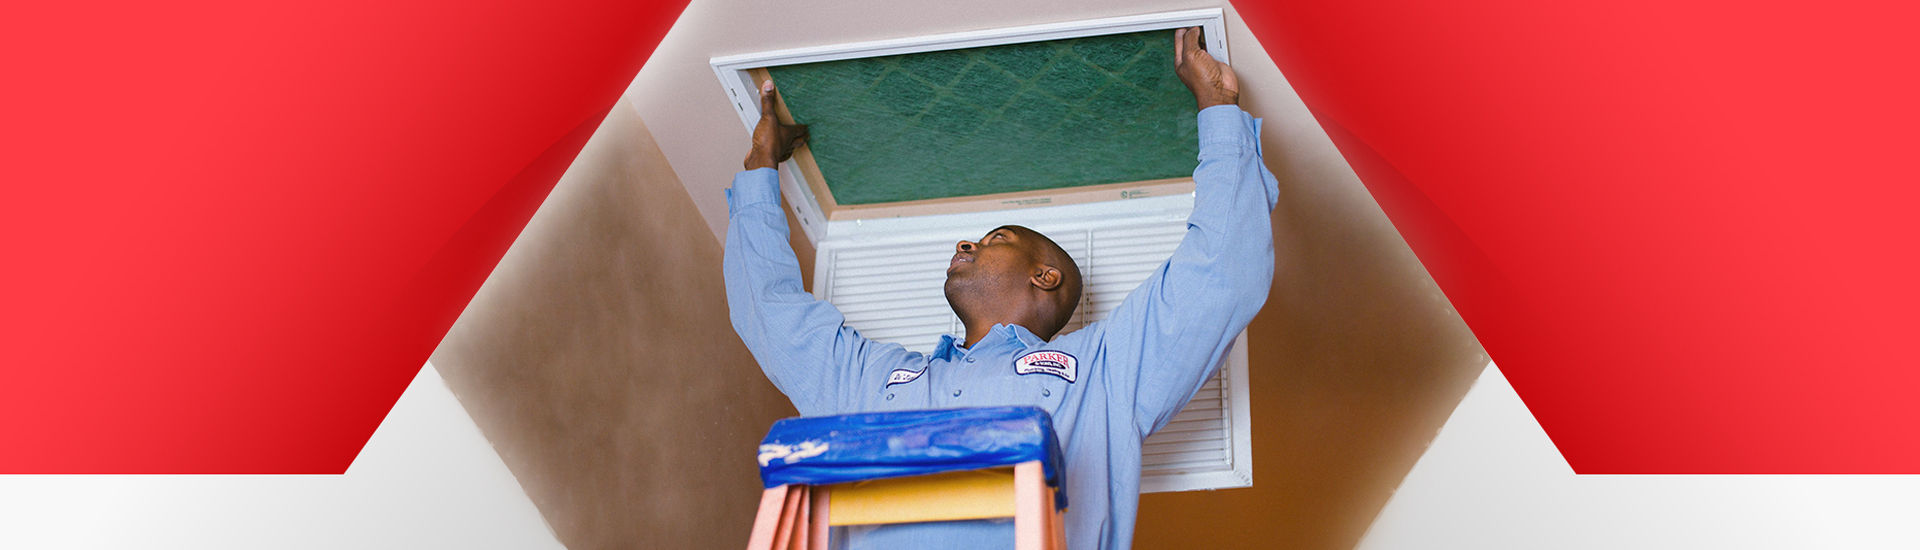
[599, 362]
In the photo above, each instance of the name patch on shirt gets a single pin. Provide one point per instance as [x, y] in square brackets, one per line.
[1048, 362]
[902, 376]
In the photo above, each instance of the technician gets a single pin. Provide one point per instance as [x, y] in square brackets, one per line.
[1107, 385]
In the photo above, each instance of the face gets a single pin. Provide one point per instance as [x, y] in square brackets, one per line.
[998, 266]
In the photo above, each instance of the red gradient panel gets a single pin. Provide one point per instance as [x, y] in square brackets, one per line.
[234, 230]
[1686, 231]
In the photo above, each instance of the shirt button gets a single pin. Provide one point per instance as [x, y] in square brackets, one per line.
[889, 397]
[1043, 393]
[956, 393]
[969, 359]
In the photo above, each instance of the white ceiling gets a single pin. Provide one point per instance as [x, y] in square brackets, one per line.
[1345, 281]
[683, 104]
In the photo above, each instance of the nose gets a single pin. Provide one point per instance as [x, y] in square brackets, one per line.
[965, 246]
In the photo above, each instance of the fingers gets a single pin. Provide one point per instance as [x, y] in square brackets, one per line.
[1179, 45]
[1191, 41]
[766, 99]
[799, 136]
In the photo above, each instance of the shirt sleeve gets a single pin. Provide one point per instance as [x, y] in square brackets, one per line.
[1171, 333]
[802, 344]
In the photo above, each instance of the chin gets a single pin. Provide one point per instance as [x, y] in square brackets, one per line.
[953, 290]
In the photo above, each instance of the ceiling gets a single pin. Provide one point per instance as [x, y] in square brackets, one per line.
[682, 102]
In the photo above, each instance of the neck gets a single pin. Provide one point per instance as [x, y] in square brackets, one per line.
[982, 322]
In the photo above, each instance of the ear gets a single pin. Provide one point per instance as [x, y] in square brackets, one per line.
[1047, 278]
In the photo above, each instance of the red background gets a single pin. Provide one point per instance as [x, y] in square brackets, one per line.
[233, 231]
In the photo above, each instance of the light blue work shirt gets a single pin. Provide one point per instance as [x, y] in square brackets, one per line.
[1129, 373]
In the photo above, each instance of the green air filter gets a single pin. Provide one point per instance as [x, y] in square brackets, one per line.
[1020, 117]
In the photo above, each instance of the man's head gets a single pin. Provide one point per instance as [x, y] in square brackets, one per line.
[1013, 275]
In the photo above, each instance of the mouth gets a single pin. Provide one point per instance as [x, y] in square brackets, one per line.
[959, 258]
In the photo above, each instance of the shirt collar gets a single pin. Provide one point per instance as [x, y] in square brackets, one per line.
[1020, 335]
[948, 346]
[1017, 335]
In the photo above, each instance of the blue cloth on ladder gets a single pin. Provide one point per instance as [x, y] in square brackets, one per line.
[818, 450]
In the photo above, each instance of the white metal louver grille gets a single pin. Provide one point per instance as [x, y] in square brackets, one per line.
[1199, 439]
[892, 291]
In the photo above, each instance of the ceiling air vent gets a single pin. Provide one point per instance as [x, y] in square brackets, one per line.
[1078, 130]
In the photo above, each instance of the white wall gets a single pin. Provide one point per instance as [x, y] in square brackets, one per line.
[1492, 479]
[425, 480]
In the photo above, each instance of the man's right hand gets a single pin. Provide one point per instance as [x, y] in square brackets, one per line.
[773, 142]
[1212, 82]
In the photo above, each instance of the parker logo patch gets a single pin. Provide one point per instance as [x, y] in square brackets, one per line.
[902, 376]
[1048, 362]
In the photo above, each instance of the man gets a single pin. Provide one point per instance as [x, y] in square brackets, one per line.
[1107, 385]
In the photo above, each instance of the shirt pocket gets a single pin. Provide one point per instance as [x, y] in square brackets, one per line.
[1052, 389]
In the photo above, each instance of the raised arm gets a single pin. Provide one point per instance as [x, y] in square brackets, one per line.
[802, 344]
[1166, 339]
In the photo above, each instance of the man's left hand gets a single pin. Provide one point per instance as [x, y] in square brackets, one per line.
[773, 142]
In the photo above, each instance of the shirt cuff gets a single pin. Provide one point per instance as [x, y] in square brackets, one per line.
[751, 187]
[1225, 129]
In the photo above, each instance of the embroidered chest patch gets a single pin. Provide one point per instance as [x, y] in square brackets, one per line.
[902, 376]
[1048, 362]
